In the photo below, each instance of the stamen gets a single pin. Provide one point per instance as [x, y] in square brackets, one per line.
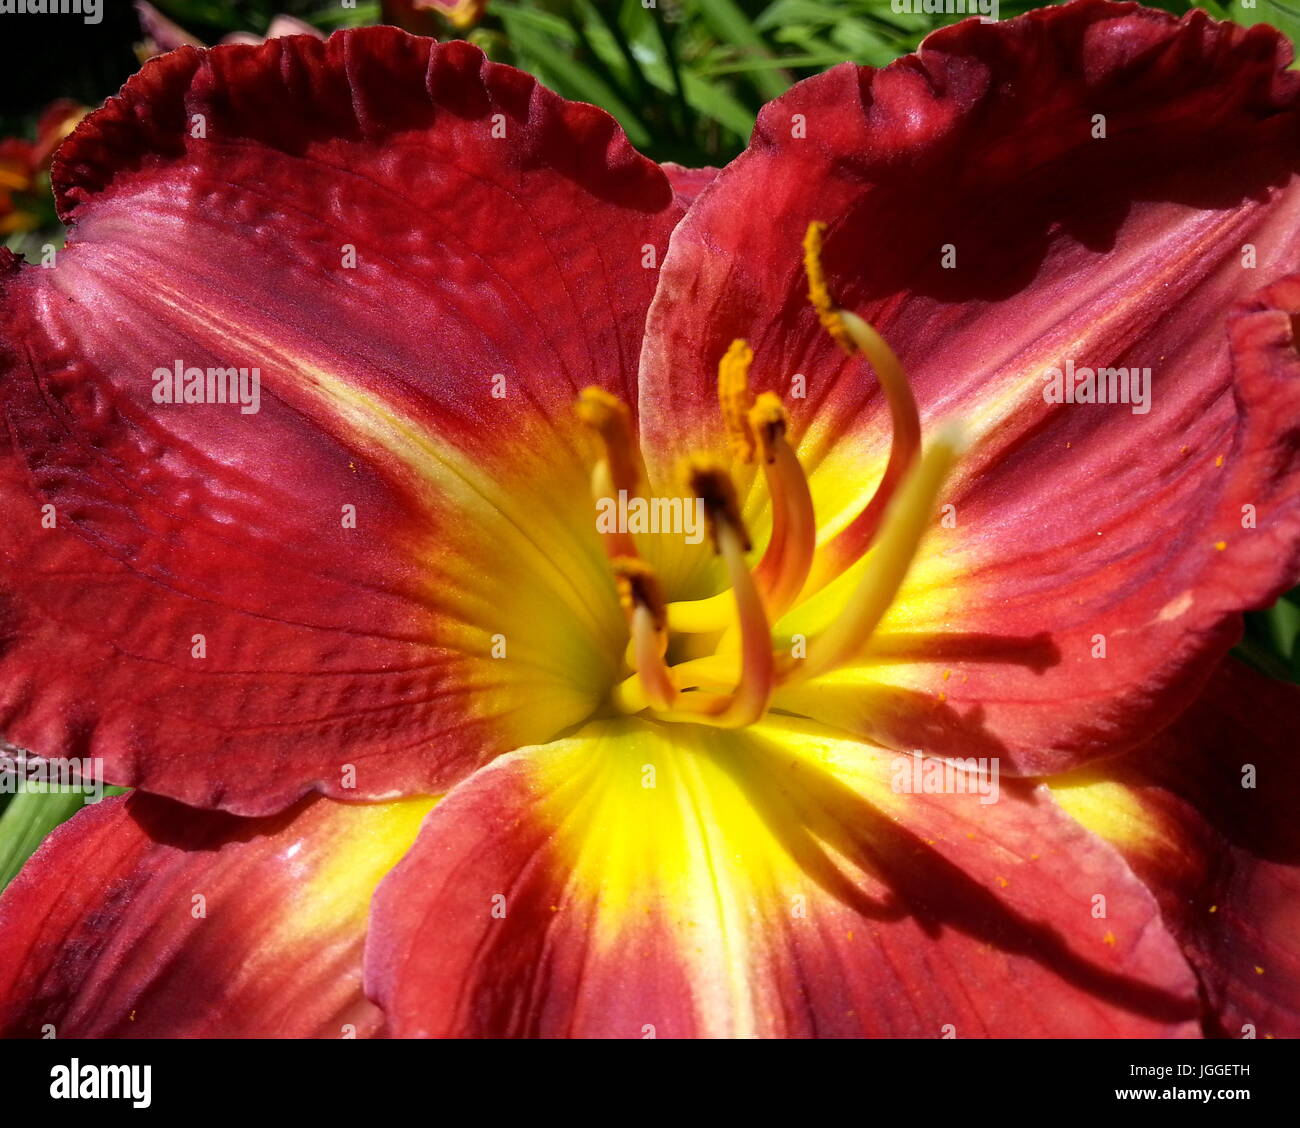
[855, 336]
[715, 612]
[781, 573]
[853, 540]
[748, 701]
[610, 417]
[735, 399]
[784, 568]
[622, 468]
[907, 519]
[642, 599]
[709, 481]
[818, 294]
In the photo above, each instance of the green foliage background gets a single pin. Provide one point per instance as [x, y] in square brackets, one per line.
[686, 79]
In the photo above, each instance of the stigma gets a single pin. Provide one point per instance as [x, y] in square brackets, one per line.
[733, 683]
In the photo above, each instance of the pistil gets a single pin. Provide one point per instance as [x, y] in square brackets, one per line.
[857, 338]
[907, 518]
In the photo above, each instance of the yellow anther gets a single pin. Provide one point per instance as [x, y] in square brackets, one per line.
[708, 479]
[818, 293]
[611, 418]
[768, 422]
[638, 586]
[647, 615]
[735, 398]
[601, 409]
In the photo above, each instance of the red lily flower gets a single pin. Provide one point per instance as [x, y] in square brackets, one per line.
[162, 34]
[23, 164]
[678, 798]
[429, 17]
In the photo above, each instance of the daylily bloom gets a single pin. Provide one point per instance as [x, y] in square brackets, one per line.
[423, 16]
[933, 733]
[162, 34]
[24, 163]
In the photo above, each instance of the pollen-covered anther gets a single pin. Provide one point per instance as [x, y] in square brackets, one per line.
[789, 554]
[768, 423]
[735, 399]
[638, 586]
[709, 480]
[828, 313]
[611, 419]
[643, 601]
[748, 701]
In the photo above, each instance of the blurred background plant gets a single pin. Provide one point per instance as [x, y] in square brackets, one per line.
[685, 78]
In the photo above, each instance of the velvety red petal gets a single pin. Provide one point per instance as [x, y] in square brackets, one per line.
[688, 183]
[143, 918]
[640, 880]
[385, 566]
[1075, 526]
[1206, 815]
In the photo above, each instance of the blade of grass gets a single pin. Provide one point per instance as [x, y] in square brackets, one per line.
[711, 100]
[731, 24]
[573, 79]
[674, 68]
[611, 26]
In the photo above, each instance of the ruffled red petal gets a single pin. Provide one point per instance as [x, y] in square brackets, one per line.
[144, 918]
[380, 577]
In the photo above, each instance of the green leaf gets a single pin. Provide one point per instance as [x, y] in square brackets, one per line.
[360, 16]
[1284, 625]
[712, 100]
[863, 43]
[827, 59]
[731, 24]
[560, 70]
[786, 12]
[29, 818]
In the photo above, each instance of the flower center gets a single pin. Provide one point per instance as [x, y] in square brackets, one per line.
[733, 684]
